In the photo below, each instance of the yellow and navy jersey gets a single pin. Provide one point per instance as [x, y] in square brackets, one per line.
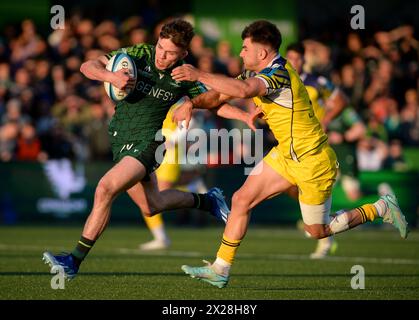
[319, 90]
[287, 110]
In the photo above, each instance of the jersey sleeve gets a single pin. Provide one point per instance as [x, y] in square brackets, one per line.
[246, 74]
[274, 79]
[195, 89]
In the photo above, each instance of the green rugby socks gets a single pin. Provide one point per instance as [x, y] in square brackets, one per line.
[82, 249]
[201, 201]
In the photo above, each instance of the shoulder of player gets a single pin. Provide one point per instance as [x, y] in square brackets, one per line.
[136, 51]
[195, 86]
[140, 50]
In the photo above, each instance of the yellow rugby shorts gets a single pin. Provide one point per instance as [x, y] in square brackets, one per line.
[314, 175]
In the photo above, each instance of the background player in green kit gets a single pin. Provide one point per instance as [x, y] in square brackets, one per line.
[133, 138]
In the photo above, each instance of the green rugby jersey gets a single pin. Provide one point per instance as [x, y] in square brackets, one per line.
[141, 115]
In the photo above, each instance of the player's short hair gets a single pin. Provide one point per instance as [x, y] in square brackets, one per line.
[297, 47]
[264, 32]
[179, 31]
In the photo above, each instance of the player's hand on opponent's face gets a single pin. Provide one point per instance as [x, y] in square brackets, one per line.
[183, 112]
[121, 79]
[185, 72]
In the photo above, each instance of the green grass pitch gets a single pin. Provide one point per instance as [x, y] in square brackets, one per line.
[272, 264]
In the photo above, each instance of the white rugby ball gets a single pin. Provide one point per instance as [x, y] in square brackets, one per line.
[117, 62]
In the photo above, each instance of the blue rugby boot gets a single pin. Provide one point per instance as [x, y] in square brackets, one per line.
[65, 261]
[219, 207]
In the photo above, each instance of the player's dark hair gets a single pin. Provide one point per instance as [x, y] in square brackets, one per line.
[264, 32]
[297, 47]
[179, 31]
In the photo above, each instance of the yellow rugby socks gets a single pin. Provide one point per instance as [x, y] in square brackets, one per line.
[225, 255]
[369, 212]
[156, 226]
[154, 221]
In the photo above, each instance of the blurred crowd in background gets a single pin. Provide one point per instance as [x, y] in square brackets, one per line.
[49, 110]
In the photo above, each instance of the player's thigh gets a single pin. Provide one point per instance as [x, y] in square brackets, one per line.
[315, 176]
[123, 175]
[264, 184]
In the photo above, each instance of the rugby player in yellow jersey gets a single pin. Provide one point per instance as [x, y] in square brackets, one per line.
[303, 157]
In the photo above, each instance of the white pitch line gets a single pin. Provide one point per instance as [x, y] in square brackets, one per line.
[171, 253]
[193, 254]
[274, 256]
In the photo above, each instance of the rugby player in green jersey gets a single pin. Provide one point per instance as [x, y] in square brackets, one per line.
[133, 130]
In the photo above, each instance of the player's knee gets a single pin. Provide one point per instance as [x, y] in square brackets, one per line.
[240, 199]
[150, 209]
[154, 206]
[105, 191]
[316, 231]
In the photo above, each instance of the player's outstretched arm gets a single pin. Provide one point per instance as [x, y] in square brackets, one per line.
[207, 100]
[95, 69]
[236, 88]
[231, 112]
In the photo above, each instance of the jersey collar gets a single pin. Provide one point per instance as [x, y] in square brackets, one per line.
[276, 60]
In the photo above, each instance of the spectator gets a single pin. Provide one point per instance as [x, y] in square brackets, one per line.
[137, 36]
[376, 129]
[96, 131]
[28, 44]
[13, 113]
[29, 145]
[380, 82]
[410, 118]
[371, 154]
[8, 138]
[395, 160]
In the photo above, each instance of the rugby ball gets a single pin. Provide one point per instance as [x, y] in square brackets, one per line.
[117, 62]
